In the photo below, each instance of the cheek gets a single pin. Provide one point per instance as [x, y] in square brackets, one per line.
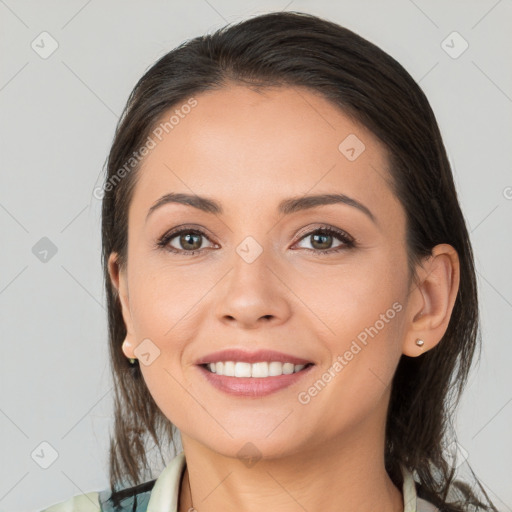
[345, 300]
[355, 382]
[163, 328]
[359, 320]
[165, 300]
[165, 305]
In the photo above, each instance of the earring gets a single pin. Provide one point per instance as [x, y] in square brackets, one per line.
[419, 342]
[127, 343]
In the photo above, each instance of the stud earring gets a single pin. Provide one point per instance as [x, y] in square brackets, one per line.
[127, 343]
[419, 342]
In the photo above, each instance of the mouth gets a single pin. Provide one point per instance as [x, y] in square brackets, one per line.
[253, 380]
[258, 370]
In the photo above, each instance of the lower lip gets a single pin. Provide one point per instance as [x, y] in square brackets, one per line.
[253, 386]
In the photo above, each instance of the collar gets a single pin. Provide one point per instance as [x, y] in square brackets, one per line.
[164, 495]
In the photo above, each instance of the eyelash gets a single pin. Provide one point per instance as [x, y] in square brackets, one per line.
[348, 241]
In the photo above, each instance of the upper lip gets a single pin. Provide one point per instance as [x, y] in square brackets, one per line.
[240, 355]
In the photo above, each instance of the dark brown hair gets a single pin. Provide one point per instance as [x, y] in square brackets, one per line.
[296, 49]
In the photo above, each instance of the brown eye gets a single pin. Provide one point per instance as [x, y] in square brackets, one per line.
[190, 241]
[185, 241]
[322, 239]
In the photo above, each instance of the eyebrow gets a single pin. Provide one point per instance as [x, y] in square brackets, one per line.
[285, 207]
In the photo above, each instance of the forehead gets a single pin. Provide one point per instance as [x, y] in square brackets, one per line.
[247, 147]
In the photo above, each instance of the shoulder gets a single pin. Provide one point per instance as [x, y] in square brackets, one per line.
[88, 502]
[132, 499]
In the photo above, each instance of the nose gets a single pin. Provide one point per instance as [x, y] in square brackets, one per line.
[254, 294]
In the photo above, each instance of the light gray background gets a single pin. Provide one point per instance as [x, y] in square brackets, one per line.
[58, 117]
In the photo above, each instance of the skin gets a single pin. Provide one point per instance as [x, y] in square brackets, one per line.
[249, 150]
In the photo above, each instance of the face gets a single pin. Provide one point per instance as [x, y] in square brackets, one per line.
[258, 274]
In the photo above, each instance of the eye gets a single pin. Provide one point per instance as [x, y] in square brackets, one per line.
[183, 241]
[321, 240]
[189, 241]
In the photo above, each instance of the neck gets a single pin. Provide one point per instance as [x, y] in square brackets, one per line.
[343, 474]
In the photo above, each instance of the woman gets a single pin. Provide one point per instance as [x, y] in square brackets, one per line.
[289, 278]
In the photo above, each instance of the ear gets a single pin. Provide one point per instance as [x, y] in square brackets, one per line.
[431, 300]
[119, 281]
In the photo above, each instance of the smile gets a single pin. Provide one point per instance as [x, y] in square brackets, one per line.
[253, 380]
[257, 370]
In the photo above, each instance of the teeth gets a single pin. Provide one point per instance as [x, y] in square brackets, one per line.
[257, 370]
[229, 369]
